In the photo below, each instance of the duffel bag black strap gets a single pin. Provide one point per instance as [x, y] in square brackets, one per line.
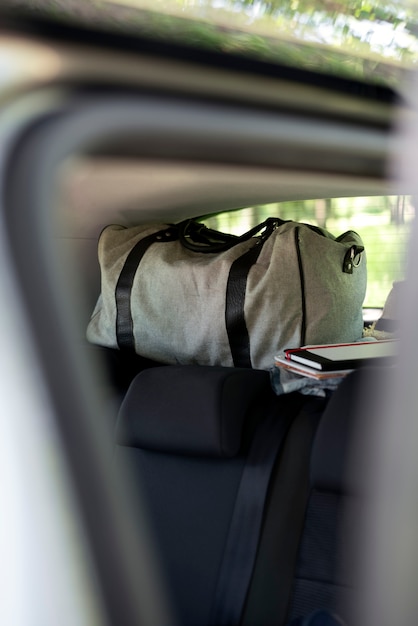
[124, 322]
[236, 288]
[236, 327]
[198, 238]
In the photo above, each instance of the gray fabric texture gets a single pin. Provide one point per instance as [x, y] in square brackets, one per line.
[178, 297]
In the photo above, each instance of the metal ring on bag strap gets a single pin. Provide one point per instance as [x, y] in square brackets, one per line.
[352, 258]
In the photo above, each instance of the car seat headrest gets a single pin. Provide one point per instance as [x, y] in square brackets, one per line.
[192, 410]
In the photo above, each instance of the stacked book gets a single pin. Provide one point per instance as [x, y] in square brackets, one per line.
[337, 360]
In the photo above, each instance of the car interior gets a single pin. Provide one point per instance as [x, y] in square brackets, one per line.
[251, 503]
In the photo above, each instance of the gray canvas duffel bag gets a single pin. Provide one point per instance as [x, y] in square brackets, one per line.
[190, 295]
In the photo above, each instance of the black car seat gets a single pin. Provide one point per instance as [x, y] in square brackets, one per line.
[327, 567]
[189, 437]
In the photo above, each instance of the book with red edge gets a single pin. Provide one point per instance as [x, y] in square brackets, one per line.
[345, 356]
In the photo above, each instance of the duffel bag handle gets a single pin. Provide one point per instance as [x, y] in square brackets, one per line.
[196, 237]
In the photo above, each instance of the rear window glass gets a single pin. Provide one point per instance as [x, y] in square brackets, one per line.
[383, 223]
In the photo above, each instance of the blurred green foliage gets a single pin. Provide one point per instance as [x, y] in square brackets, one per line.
[333, 36]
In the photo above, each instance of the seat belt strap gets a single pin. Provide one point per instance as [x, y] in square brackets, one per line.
[244, 532]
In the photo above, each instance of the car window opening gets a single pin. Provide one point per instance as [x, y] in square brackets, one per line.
[384, 223]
